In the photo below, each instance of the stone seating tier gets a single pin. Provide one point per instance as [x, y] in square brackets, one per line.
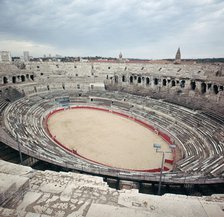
[199, 146]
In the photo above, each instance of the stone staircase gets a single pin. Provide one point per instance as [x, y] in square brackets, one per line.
[12, 94]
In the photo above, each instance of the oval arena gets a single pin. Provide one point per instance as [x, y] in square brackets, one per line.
[181, 104]
[108, 137]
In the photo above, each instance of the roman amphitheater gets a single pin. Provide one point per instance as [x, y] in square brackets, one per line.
[110, 124]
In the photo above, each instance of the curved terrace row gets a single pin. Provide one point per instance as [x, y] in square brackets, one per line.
[199, 137]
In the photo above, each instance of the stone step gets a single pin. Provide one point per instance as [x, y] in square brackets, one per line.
[12, 188]
[5, 212]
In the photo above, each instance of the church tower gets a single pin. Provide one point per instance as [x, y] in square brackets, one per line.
[120, 56]
[178, 57]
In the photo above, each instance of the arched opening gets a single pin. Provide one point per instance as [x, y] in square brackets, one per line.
[155, 81]
[13, 79]
[209, 86]
[173, 83]
[193, 85]
[139, 80]
[215, 89]
[147, 81]
[164, 82]
[27, 76]
[32, 77]
[5, 80]
[23, 78]
[182, 83]
[123, 78]
[48, 87]
[116, 79]
[218, 73]
[107, 77]
[203, 88]
[131, 79]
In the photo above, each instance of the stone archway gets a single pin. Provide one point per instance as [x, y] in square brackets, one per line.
[5, 80]
[156, 81]
[116, 79]
[147, 81]
[182, 83]
[173, 83]
[123, 78]
[139, 80]
[215, 89]
[203, 87]
[23, 78]
[13, 79]
[193, 85]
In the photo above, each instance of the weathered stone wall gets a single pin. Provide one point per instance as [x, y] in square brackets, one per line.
[199, 86]
[203, 94]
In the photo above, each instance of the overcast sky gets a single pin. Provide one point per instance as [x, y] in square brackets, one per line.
[151, 29]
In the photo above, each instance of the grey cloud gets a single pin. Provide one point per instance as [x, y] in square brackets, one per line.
[105, 25]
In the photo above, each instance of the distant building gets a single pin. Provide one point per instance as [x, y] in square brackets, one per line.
[178, 57]
[5, 56]
[58, 56]
[84, 60]
[120, 58]
[120, 55]
[26, 56]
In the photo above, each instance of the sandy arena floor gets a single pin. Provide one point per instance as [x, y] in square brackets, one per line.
[108, 138]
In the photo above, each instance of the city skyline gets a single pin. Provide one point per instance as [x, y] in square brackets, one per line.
[139, 29]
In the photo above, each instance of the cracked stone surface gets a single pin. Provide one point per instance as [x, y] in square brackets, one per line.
[61, 194]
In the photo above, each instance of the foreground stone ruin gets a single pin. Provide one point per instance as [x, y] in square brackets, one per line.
[26, 192]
